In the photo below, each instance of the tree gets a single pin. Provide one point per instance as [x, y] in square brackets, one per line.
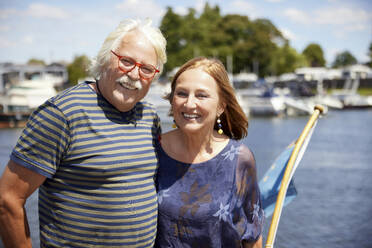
[253, 45]
[235, 31]
[34, 61]
[172, 27]
[343, 59]
[287, 59]
[78, 69]
[264, 38]
[314, 55]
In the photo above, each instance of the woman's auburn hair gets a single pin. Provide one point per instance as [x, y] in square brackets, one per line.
[233, 120]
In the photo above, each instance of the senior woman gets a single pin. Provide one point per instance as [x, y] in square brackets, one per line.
[207, 185]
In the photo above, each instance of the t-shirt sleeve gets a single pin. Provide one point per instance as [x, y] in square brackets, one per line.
[44, 141]
[251, 216]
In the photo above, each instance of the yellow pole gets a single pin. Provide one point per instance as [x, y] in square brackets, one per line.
[285, 181]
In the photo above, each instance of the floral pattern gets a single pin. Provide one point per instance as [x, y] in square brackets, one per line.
[223, 212]
[193, 199]
[256, 212]
[230, 154]
[162, 194]
[199, 203]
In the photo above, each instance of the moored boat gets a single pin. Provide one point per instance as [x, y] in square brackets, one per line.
[21, 93]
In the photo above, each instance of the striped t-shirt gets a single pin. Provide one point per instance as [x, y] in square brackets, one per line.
[100, 165]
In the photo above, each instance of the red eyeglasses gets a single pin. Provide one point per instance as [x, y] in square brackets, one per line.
[127, 64]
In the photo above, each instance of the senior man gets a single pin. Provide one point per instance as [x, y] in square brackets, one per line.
[90, 152]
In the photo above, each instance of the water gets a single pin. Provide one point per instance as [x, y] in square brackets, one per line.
[333, 208]
[334, 204]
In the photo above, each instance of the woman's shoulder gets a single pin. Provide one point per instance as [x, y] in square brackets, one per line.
[246, 156]
[245, 169]
[168, 143]
[166, 139]
[242, 148]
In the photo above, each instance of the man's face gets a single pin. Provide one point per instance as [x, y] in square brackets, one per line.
[124, 90]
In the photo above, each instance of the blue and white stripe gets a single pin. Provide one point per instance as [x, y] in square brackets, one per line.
[100, 166]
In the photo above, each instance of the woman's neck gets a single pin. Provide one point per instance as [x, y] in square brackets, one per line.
[194, 147]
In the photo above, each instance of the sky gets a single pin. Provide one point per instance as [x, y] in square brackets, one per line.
[59, 30]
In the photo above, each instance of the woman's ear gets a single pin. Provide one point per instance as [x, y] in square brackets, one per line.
[221, 108]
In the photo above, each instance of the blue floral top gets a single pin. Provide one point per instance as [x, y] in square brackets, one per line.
[210, 204]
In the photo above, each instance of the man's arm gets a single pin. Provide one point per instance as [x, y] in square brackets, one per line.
[16, 185]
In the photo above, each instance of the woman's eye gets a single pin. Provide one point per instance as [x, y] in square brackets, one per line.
[201, 95]
[181, 93]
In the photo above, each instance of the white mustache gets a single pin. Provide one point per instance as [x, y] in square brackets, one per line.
[131, 83]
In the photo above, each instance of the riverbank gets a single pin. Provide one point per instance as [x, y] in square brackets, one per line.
[333, 206]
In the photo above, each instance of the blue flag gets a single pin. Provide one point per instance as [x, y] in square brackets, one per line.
[285, 165]
[270, 183]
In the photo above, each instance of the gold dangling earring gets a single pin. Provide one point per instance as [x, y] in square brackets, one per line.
[219, 125]
[174, 125]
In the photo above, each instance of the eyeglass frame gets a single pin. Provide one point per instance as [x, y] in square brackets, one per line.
[136, 64]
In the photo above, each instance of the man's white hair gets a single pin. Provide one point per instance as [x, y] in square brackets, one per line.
[114, 39]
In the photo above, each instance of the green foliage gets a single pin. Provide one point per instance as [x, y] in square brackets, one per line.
[287, 60]
[343, 59]
[34, 61]
[78, 69]
[314, 55]
[253, 45]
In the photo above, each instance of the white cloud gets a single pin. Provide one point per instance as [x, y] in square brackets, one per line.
[347, 17]
[346, 30]
[199, 6]
[242, 7]
[28, 39]
[46, 11]
[274, 1]
[4, 28]
[288, 34]
[6, 13]
[342, 15]
[5, 43]
[141, 9]
[347, 20]
[297, 15]
[358, 27]
[184, 10]
[25, 40]
[181, 10]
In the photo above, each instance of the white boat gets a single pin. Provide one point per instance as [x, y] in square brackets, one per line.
[22, 98]
[329, 101]
[277, 103]
[21, 94]
[349, 95]
[355, 100]
[296, 106]
[254, 102]
[31, 93]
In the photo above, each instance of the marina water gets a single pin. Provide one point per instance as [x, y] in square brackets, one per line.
[333, 208]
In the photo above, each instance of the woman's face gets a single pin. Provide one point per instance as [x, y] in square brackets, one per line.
[196, 102]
